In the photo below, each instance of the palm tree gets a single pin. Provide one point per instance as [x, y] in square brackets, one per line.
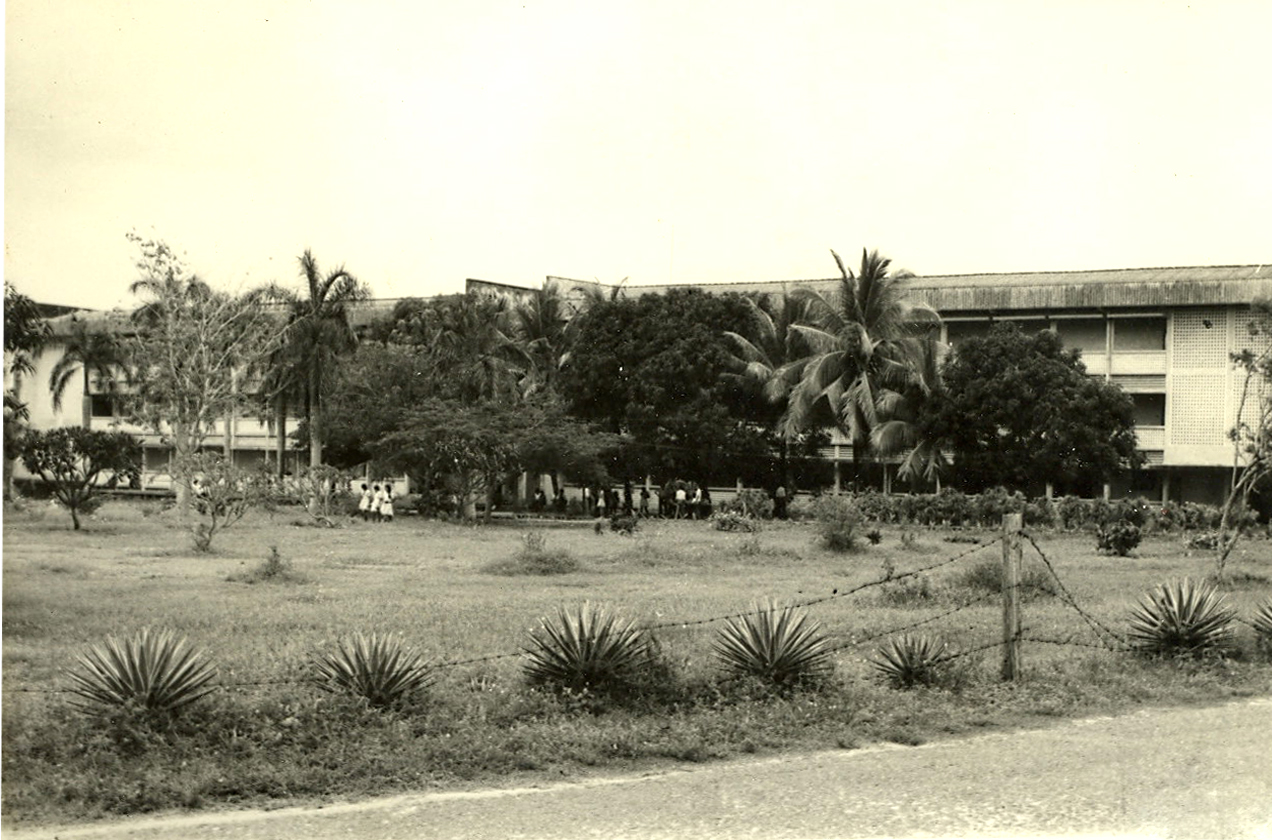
[87, 353]
[540, 327]
[318, 332]
[863, 337]
[471, 344]
[772, 344]
[901, 410]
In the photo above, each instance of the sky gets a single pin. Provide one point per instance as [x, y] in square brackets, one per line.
[421, 143]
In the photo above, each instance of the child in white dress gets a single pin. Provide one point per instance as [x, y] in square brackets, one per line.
[386, 506]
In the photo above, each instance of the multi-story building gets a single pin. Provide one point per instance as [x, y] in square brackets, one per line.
[1163, 334]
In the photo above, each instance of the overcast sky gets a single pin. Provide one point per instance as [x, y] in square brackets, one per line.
[420, 143]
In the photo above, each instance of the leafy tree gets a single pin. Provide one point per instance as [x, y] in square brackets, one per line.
[191, 349]
[318, 333]
[467, 447]
[651, 367]
[73, 459]
[863, 337]
[222, 494]
[1252, 435]
[25, 334]
[1020, 408]
[373, 390]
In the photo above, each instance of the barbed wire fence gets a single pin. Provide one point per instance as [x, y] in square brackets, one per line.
[1014, 594]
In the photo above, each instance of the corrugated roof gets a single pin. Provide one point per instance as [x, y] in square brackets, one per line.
[1111, 288]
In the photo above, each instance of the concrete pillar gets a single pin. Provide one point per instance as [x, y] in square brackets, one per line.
[1165, 486]
[1108, 491]
[1051, 491]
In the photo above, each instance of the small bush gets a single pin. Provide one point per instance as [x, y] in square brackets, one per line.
[589, 650]
[987, 576]
[535, 558]
[1182, 618]
[379, 669]
[915, 589]
[273, 569]
[754, 503]
[909, 541]
[913, 660]
[778, 645]
[157, 672]
[734, 521]
[838, 521]
[625, 525]
[1120, 537]
[875, 536]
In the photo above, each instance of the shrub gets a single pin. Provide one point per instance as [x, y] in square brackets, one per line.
[589, 650]
[157, 672]
[909, 660]
[875, 536]
[778, 645]
[838, 520]
[906, 591]
[624, 525]
[755, 503]
[987, 576]
[1182, 618]
[535, 558]
[733, 521]
[273, 569]
[379, 669]
[1119, 537]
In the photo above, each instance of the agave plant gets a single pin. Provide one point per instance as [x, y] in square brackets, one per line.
[1262, 623]
[378, 668]
[155, 671]
[588, 649]
[779, 645]
[909, 660]
[1182, 617]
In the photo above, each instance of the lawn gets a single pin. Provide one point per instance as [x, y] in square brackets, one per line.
[436, 584]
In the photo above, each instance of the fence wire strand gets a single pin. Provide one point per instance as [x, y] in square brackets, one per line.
[1101, 630]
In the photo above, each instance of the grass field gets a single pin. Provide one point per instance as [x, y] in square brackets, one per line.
[439, 586]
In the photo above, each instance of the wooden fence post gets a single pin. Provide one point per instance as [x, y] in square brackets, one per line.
[1012, 523]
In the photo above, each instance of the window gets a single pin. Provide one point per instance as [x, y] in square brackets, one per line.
[1150, 409]
[1085, 334]
[103, 405]
[1139, 335]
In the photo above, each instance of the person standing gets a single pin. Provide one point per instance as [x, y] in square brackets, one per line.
[681, 498]
[779, 502]
[386, 506]
[377, 502]
[644, 502]
[364, 503]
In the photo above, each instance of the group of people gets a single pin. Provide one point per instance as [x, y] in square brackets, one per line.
[687, 503]
[539, 503]
[376, 502]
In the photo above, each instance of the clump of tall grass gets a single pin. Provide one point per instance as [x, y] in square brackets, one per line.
[273, 569]
[535, 558]
[987, 576]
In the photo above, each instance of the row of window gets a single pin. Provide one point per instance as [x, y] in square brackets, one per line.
[1091, 335]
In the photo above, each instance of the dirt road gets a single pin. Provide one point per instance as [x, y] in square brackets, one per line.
[1204, 773]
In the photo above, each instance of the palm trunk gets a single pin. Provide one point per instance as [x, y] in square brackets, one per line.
[280, 429]
[315, 421]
